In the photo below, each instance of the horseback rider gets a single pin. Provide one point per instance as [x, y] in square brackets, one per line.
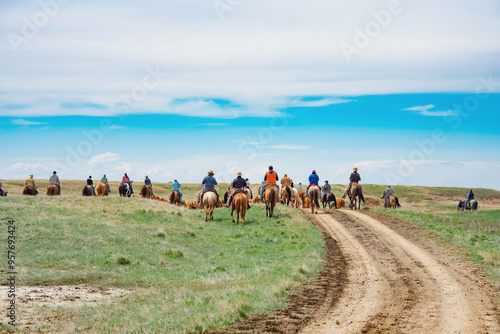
[147, 182]
[327, 188]
[31, 183]
[248, 187]
[239, 184]
[470, 196]
[54, 179]
[210, 182]
[300, 186]
[355, 177]
[285, 182]
[90, 182]
[2, 193]
[126, 179]
[270, 178]
[176, 187]
[104, 180]
[313, 179]
[389, 191]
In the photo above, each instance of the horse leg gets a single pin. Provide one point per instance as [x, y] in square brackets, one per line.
[232, 209]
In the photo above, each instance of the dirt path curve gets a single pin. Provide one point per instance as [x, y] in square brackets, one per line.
[396, 286]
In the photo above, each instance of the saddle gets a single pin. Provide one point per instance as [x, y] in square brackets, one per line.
[314, 184]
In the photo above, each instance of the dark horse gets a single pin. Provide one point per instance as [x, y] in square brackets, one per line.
[124, 189]
[146, 191]
[52, 190]
[270, 198]
[353, 192]
[329, 199]
[29, 191]
[87, 191]
[471, 205]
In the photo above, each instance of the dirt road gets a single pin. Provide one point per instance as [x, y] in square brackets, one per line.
[395, 285]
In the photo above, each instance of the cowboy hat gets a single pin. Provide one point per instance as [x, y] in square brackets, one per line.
[211, 172]
[239, 174]
[355, 168]
[31, 175]
[175, 179]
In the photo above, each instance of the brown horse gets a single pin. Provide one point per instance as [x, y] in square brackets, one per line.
[52, 190]
[209, 204]
[88, 191]
[302, 196]
[29, 191]
[286, 195]
[355, 196]
[240, 203]
[305, 203]
[146, 191]
[174, 198]
[256, 200]
[392, 201]
[270, 198]
[313, 194]
[101, 189]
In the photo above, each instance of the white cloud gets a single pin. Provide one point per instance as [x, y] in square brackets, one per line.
[318, 103]
[289, 147]
[25, 122]
[425, 111]
[104, 158]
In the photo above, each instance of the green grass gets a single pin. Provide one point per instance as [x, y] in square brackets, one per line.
[185, 275]
[476, 232]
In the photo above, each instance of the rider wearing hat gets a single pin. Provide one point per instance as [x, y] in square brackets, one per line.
[355, 177]
[54, 179]
[147, 182]
[327, 188]
[270, 178]
[176, 187]
[239, 185]
[210, 182]
[313, 179]
[31, 183]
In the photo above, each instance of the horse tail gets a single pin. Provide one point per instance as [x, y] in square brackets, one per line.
[171, 197]
[397, 201]
[316, 199]
[289, 192]
[273, 196]
[226, 194]
[361, 197]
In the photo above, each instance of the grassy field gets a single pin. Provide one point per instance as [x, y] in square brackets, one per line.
[185, 275]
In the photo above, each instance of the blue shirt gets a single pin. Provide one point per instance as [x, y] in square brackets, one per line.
[314, 179]
[147, 182]
[176, 185]
[210, 182]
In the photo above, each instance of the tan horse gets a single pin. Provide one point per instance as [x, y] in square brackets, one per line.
[52, 190]
[296, 199]
[270, 198]
[314, 195]
[240, 203]
[209, 204]
[174, 198]
[286, 195]
[392, 201]
[146, 191]
[101, 189]
[305, 203]
[355, 196]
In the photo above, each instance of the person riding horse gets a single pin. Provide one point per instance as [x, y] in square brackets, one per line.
[126, 179]
[90, 182]
[210, 182]
[327, 188]
[147, 182]
[239, 184]
[176, 186]
[54, 179]
[470, 196]
[355, 177]
[285, 182]
[389, 191]
[313, 179]
[2, 193]
[104, 180]
[31, 183]
[270, 178]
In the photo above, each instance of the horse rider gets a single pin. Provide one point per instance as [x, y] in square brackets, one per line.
[313, 179]
[355, 177]
[300, 186]
[327, 188]
[31, 183]
[285, 182]
[126, 179]
[147, 182]
[248, 186]
[270, 178]
[210, 182]
[104, 180]
[2, 193]
[54, 179]
[90, 182]
[176, 186]
[470, 196]
[389, 191]
[239, 184]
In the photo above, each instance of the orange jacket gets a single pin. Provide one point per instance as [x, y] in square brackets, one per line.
[271, 177]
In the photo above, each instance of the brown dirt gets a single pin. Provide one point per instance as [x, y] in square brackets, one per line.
[394, 279]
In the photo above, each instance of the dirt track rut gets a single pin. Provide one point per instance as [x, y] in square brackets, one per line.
[396, 286]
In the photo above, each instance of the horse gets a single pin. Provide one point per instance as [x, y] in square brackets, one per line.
[174, 197]
[461, 206]
[249, 193]
[240, 203]
[329, 199]
[52, 190]
[296, 199]
[305, 203]
[4, 194]
[256, 200]
[124, 190]
[270, 198]
[88, 191]
[286, 194]
[313, 194]
[471, 205]
[29, 191]
[101, 189]
[355, 195]
[302, 196]
[340, 203]
[209, 204]
[146, 191]
[392, 201]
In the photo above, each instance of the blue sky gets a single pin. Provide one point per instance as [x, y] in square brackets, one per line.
[176, 89]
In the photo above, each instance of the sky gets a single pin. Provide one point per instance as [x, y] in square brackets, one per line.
[407, 91]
